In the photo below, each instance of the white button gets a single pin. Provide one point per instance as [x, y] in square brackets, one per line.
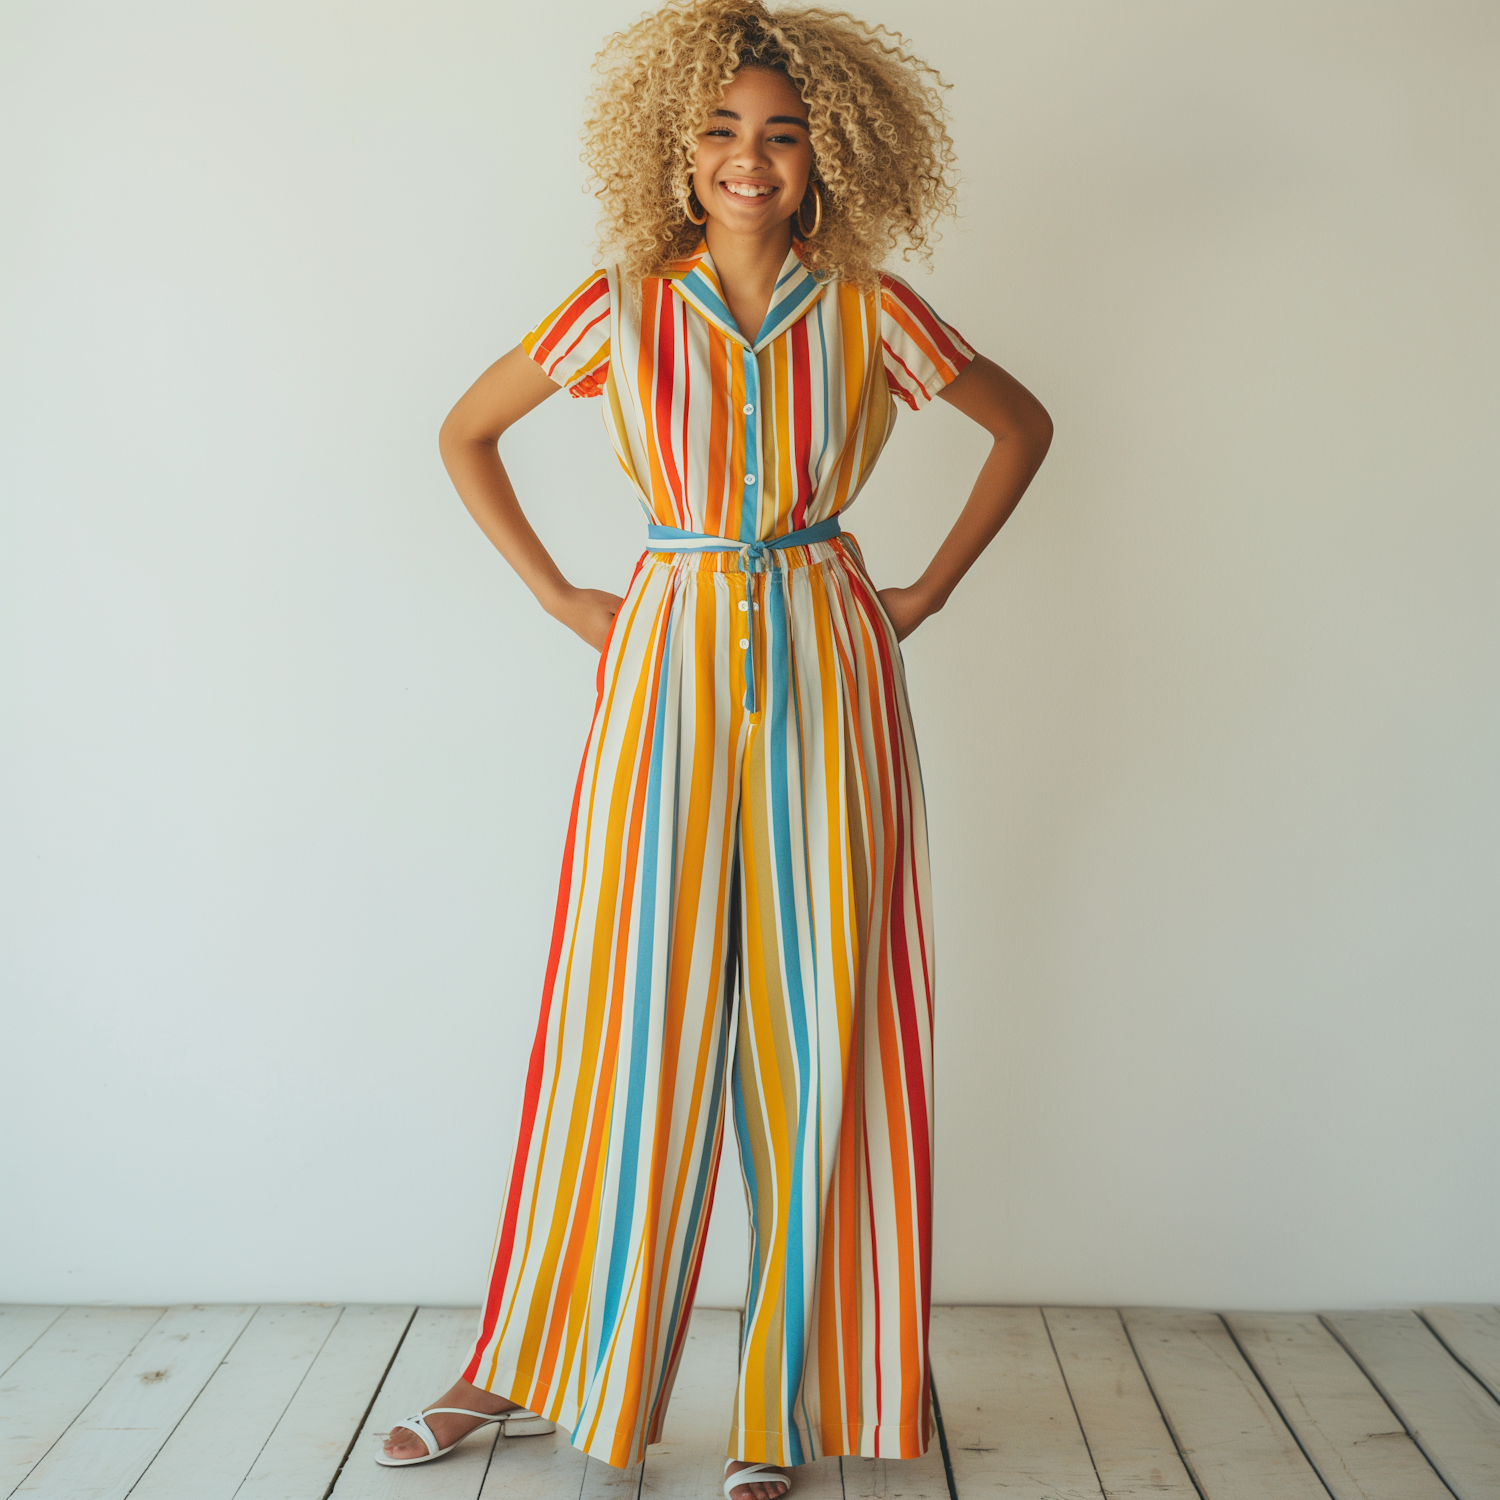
[749, 478]
[747, 408]
[743, 605]
[744, 643]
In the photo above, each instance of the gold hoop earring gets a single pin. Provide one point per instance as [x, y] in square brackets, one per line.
[807, 233]
[693, 218]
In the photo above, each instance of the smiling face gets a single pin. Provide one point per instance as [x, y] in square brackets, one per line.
[754, 155]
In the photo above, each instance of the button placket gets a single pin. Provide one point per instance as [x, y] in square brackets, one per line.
[751, 522]
[754, 468]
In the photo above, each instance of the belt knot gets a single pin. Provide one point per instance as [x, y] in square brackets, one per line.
[755, 557]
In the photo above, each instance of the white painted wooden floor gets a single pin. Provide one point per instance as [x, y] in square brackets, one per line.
[1069, 1403]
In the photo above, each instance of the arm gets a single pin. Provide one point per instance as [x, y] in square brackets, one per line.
[1022, 432]
[510, 388]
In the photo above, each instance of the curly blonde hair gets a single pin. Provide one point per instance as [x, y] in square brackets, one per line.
[882, 156]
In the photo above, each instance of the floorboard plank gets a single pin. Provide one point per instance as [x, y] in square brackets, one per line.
[1133, 1452]
[1455, 1421]
[1472, 1335]
[1229, 1433]
[104, 1452]
[1354, 1440]
[1011, 1427]
[214, 1446]
[431, 1355]
[536, 1468]
[688, 1463]
[603, 1482]
[820, 1480]
[44, 1390]
[21, 1325]
[892, 1478]
[303, 1454]
[924, 1478]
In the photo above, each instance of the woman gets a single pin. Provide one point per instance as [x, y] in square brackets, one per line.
[744, 916]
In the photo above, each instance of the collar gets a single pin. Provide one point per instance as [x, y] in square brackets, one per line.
[696, 280]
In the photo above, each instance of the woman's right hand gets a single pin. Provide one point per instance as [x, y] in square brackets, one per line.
[589, 613]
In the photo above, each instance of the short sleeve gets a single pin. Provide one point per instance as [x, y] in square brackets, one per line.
[922, 353]
[571, 344]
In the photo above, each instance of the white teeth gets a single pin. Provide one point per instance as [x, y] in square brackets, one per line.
[744, 190]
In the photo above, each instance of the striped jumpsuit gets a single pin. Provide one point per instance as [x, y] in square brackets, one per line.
[743, 921]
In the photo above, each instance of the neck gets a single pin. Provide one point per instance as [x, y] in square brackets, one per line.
[748, 264]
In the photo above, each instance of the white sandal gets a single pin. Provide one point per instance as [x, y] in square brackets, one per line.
[514, 1423]
[755, 1474]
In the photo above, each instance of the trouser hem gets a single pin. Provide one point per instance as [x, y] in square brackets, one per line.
[873, 1440]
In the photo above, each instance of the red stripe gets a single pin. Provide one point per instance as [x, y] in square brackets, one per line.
[911, 1049]
[685, 516]
[495, 1298]
[665, 375]
[901, 955]
[570, 315]
[801, 425]
[906, 1000]
[583, 333]
[871, 1197]
[891, 357]
[937, 330]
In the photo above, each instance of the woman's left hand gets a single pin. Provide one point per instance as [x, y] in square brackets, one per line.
[906, 607]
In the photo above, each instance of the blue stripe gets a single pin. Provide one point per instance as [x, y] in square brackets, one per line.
[779, 689]
[747, 1166]
[785, 311]
[695, 1215]
[671, 539]
[749, 504]
[790, 295]
[699, 287]
[640, 1028]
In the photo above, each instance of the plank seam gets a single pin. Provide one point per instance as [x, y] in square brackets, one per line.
[1286, 1421]
[359, 1426]
[489, 1458]
[1088, 1447]
[27, 1350]
[937, 1413]
[191, 1404]
[1187, 1466]
[285, 1409]
[102, 1383]
[1458, 1358]
[1385, 1396]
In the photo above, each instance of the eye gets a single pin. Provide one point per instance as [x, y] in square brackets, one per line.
[718, 130]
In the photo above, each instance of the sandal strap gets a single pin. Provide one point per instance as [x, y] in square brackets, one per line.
[499, 1416]
[754, 1474]
[418, 1423]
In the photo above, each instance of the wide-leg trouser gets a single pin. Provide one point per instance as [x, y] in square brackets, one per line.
[744, 910]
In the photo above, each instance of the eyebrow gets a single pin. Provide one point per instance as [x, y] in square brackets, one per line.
[729, 114]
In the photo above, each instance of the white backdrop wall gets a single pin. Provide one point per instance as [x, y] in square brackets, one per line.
[1209, 736]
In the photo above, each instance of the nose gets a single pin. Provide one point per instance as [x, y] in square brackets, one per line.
[750, 155]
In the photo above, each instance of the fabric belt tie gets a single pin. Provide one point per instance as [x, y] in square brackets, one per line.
[754, 558]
